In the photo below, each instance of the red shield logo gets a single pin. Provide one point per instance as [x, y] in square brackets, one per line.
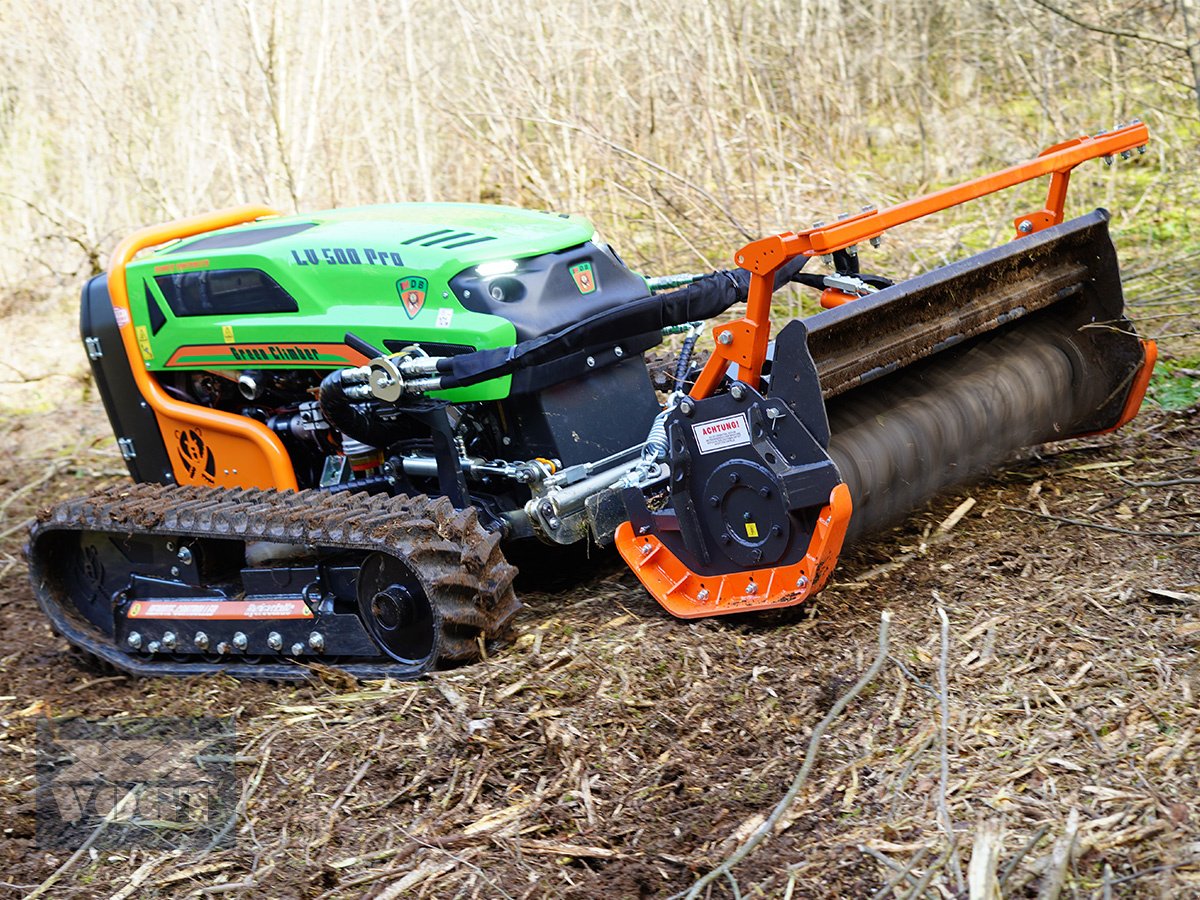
[412, 294]
[585, 278]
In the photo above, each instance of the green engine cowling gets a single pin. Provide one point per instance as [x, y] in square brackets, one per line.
[281, 293]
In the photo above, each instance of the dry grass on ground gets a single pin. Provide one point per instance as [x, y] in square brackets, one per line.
[613, 751]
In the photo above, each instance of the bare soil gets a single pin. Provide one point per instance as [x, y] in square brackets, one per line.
[614, 751]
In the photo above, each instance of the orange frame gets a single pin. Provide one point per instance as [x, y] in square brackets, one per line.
[246, 452]
[685, 593]
[761, 258]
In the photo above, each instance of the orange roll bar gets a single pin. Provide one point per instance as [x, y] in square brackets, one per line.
[749, 336]
[247, 453]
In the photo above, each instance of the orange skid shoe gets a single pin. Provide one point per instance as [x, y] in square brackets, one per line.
[689, 595]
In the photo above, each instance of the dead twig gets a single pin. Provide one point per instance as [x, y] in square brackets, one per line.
[113, 813]
[944, 749]
[810, 757]
[905, 873]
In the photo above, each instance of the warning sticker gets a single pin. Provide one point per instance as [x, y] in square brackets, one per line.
[721, 434]
[220, 609]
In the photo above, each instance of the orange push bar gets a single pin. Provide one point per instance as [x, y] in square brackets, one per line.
[246, 452]
[749, 336]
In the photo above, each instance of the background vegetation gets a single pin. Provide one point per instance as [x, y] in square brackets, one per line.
[682, 128]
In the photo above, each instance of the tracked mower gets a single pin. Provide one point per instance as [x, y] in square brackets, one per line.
[335, 421]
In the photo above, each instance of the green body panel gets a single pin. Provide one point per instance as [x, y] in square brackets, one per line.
[345, 274]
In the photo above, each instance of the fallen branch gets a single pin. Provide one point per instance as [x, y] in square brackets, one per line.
[725, 869]
[1056, 871]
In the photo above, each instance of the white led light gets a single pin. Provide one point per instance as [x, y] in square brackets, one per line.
[498, 267]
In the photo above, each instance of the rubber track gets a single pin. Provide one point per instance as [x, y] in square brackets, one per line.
[458, 562]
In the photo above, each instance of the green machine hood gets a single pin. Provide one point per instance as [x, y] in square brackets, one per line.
[282, 292]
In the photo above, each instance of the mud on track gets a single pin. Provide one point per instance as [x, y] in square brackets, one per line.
[613, 751]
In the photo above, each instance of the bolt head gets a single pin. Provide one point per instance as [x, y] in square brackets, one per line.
[316, 641]
[1108, 160]
[687, 406]
[618, 352]
[174, 571]
[646, 548]
[877, 240]
[275, 640]
[153, 647]
[751, 589]
[703, 595]
[134, 639]
[553, 522]
[168, 640]
[1025, 227]
[185, 556]
[738, 391]
[297, 649]
[725, 337]
[591, 361]
[223, 648]
[239, 641]
[802, 582]
[200, 640]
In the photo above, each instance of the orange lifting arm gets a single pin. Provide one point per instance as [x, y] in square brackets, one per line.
[261, 460]
[748, 337]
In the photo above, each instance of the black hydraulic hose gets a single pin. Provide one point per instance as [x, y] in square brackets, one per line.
[355, 419]
[701, 300]
[685, 359]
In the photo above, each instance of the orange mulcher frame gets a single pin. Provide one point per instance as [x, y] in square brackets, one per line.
[262, 461]
[687, 594]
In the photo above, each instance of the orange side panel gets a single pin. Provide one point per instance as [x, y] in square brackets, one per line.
[1137, 390]
[207, 447]
[686, 594]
